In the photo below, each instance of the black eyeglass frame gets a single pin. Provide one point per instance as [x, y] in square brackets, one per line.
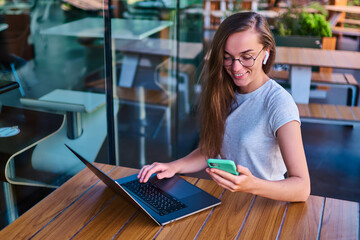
[238, 59]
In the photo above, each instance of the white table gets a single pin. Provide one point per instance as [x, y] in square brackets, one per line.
[161, 47]
[121, 29]
[93, 27]
[73, 103]
[85, 129]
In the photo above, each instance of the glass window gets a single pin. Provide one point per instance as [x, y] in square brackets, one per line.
[62, 71]
[156, 73]
[49, 48]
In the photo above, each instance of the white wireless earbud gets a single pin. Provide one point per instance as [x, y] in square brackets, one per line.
[266, 57]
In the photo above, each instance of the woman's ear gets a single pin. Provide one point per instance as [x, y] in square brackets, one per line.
[266, 57]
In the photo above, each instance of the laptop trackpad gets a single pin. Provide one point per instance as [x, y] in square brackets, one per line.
[176, 186]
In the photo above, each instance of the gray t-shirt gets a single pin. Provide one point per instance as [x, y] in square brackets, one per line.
[250, 130]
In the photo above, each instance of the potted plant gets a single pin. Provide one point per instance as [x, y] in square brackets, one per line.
[304, 27]
[303, 22]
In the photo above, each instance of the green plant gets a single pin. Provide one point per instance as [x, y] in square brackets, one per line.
[318, 7]
[302, 23]
[354, 3]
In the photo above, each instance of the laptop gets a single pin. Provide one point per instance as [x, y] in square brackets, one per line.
[164, 200]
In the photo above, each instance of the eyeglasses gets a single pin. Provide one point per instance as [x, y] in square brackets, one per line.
[246, 60]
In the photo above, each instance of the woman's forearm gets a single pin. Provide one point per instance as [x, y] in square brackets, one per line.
[193, 162]
[291, 189]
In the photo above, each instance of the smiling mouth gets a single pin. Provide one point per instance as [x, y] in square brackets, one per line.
[239, 75]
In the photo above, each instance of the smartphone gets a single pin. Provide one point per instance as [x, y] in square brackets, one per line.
[223, 164]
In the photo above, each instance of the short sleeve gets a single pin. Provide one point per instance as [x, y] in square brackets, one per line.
[282, 109]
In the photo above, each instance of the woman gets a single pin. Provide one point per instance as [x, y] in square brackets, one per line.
[246, 117]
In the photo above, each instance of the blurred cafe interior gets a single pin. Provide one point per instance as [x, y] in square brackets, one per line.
[118, 82]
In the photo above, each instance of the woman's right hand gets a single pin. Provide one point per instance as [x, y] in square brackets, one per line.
[162, 170]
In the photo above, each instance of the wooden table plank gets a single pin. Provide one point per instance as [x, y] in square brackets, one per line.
[296, 56]
[331, 112]
[351, 79]
[353, 59]
[356, 111]
[303, 110]
[307, 56]
[302, 219]
[50, 207]
[266, 215]
[228, 218]
[84, 208]
[345, 112]
[283, 54]
[340, 221]
[188, 227]
[328, 77]
[346, 59]
[341, 59]
[109, 221]
[316, 110]
[348, 9]
[324, 58]
[140, 227]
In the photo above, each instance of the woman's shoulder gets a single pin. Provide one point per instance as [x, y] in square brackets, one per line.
[278, 96]
[280, 107]
[276, 91]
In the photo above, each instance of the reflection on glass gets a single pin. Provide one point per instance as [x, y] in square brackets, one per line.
[55, 51]
[155, 80]
[50, 70]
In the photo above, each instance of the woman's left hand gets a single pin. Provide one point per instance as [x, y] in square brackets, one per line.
[242, 183]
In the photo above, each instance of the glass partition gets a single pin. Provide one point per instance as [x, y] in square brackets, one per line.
[128, 98]
[48, 48]
[155, 73]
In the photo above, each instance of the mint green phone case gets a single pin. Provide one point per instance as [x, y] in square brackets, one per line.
[222, 164]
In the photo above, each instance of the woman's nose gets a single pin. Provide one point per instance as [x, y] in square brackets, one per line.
[236, 65]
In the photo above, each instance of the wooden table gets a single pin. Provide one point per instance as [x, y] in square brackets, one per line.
[84, 208]
[302, 59]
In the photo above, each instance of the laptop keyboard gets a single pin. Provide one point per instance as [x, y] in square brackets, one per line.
[158, 200]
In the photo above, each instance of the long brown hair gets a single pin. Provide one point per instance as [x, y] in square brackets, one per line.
[218, 89]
